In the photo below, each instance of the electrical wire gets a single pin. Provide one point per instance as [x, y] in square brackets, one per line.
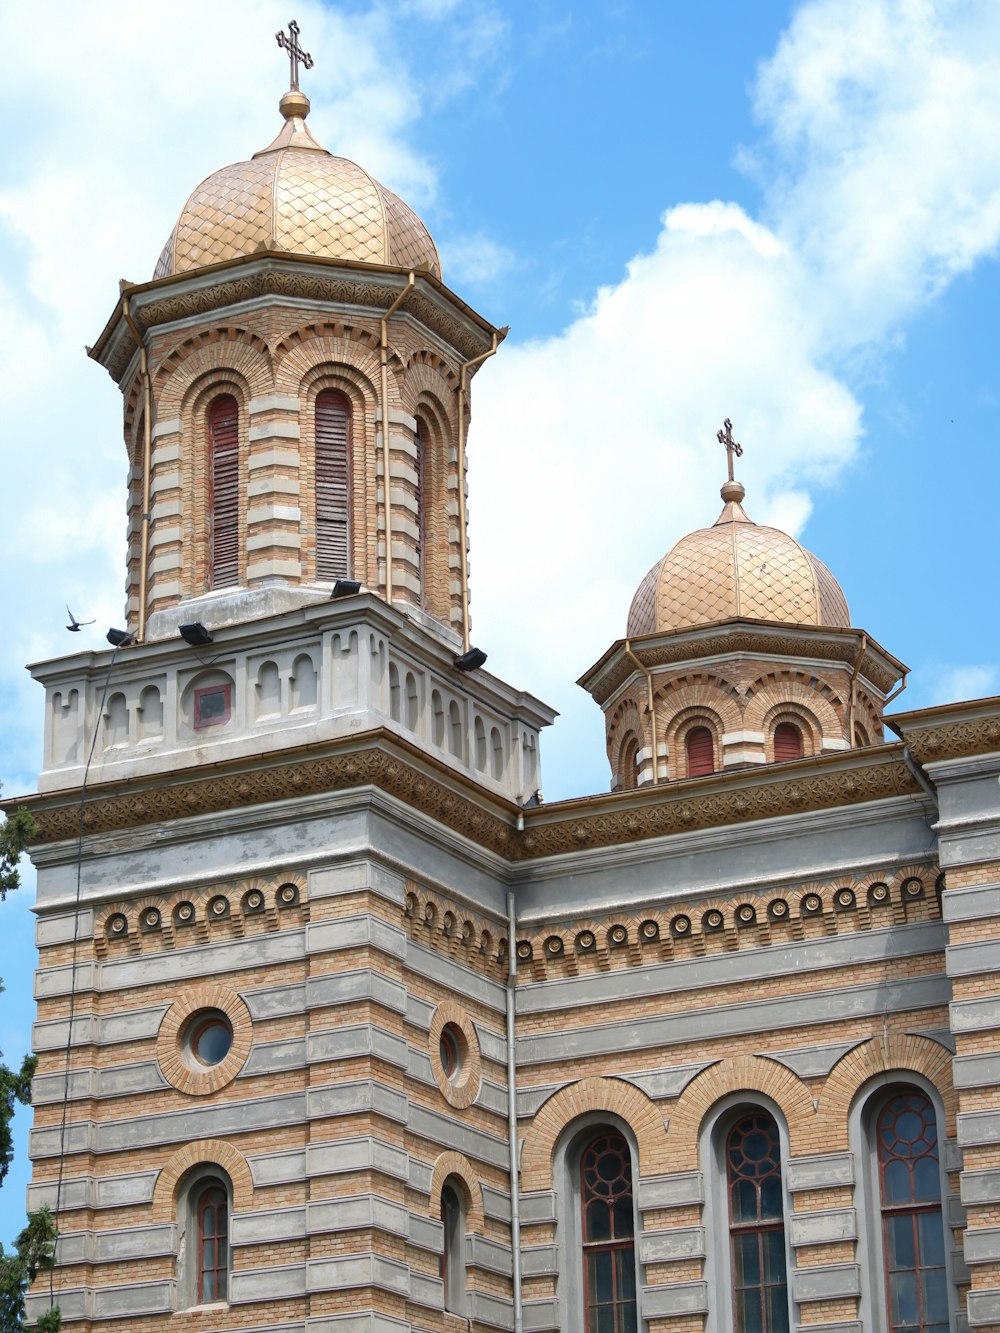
[74, 955]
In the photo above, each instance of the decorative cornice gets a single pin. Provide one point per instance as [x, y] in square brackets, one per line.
[381, 759]
[723, 799]
[784, 642]
[951, 731]
[185, 296]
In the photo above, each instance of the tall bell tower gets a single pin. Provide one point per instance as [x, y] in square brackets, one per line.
[263, 1101]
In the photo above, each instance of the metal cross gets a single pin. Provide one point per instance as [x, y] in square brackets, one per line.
[295, 52]
[725, 437]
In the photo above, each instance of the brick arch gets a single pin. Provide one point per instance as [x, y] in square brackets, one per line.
[781, 688]
[613, 1096]
[805, 719]
[893, 1055]
[626, 721]
[437, 466]
[678, 726]
[457, 1164]
[740, 1074]
[202, 1152]
[426, 367]
[871, 716]
[224, 349]
[329, 328]
[337, 350]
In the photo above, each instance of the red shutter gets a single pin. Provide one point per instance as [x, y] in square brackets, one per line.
[700, 752]
[224, 500]
[333, 438]
[787, 742]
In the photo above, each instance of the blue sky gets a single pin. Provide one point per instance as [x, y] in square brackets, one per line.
[783, 213]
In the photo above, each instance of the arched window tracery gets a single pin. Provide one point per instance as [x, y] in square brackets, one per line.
[608, 1230]
[756, 1225]
[913, 1236]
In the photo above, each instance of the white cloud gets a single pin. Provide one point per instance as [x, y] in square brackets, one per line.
[942, 683]
[476, 260]
[881, 174]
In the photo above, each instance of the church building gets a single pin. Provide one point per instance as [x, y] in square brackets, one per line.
[341, 1029]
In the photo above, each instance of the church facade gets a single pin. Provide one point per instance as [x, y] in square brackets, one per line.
[340, 1028]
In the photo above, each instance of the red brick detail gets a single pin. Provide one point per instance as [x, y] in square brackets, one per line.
[896, 1054]
[745, 1074]
[198, 1153]
[610, 1095]
[457, 1164]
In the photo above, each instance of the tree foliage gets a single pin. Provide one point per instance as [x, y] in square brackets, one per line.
[34, 1249]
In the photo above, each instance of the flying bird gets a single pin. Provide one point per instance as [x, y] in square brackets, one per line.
[75, 625]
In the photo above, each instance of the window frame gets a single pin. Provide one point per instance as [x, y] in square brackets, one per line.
[228, 577]
[868, 1101]
[324, 525]
[195, 1186]
[566, 1183]
[454, 1270]
[718, 1262]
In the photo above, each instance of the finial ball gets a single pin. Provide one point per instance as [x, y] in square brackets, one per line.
[732, 490]
[294, 103]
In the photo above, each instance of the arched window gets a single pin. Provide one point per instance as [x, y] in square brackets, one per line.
[453, 1276]
[213, 1244]
[420, 442]
[224, 491]
[628, 764]
[333, 453]
[913, 1237]
[608, 1230]
[756, 1225]
[787, 742]
[700, 747]
[203, 1259]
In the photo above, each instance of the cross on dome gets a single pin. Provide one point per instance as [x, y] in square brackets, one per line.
[295, 53]
[725, 438]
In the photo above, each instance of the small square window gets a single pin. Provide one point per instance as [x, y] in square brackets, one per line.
[212, 705]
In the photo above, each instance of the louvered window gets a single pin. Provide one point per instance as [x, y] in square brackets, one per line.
[700, 752]
[420, 498]
[787, 742]
[224, 499]
[333, 452]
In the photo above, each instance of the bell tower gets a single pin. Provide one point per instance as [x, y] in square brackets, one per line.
[295, 349]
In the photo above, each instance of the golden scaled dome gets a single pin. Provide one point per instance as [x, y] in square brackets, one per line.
[736, 569]
[294, 196]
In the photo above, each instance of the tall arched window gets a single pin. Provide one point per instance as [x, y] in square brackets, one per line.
[700, 747]
[913, 1237]
[212, 1209]
[608, 1235]
[453, 1275]
[787, 742]
[756, 1225]
[421, 440]
[224, 491]
[629, 763]
[333, 472]
[203, 1258]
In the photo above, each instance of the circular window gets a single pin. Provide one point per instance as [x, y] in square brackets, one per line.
[450, 1050]
[455, 1058]
[208, 1038]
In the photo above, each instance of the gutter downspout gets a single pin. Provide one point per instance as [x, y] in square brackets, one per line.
[853, 704]
[649, 706]
[515, 1190]
[386, 488]
[463, 521]
[147, 451]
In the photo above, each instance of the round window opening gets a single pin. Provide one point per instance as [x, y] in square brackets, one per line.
[450, 1049]
[209, 1038]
